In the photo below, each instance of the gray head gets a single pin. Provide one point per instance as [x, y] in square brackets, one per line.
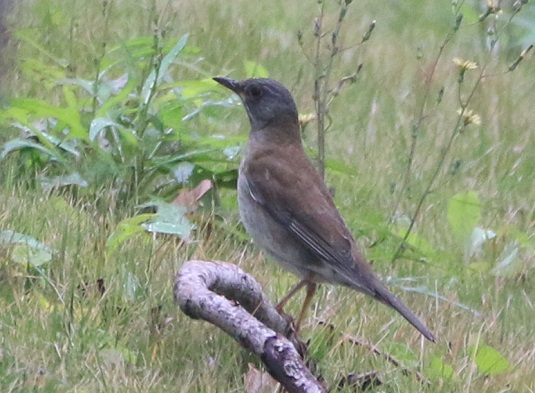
[267, 102]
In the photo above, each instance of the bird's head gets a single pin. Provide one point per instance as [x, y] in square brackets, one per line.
[268, 103]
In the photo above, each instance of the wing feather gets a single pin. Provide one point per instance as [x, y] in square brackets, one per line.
[299, 200]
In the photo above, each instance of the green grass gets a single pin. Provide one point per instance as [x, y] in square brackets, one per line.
[60, 333]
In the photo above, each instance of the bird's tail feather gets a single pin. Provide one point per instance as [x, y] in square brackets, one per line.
[382, 294]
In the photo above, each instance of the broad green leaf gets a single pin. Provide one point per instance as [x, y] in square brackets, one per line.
[69, 116]
[196, 155]
[103, 92]
[26, 249]
[414, 240]
[9, 237]
[126, 229]
[155, 78]
[58, 18]
[118, 99]
[26, 255]
[97, 125]
[47, 143]
[15, 114]
[232, 152]
[489, 361]
[171, 56]
[181, 229]
[87, 85]
[420, 244]
[130, 354]
[148, 87]
[171, 115]
[440, 369]
[70, 100]
[53, 145]
[18, 144]
[128, 136]
[73, 179]
[68, 145]
[464, 213]
[170, 219]
[136, 47]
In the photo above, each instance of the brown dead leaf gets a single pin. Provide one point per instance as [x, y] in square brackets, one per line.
[189, 198]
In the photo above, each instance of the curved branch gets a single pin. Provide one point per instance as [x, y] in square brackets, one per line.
[224, 295]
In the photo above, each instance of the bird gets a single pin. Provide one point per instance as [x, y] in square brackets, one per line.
[287, 209]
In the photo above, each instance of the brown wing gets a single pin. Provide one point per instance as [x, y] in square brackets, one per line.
[293, 193]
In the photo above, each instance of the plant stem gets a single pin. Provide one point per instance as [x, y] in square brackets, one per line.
[106, 11]
[416, 127]
[457, 129]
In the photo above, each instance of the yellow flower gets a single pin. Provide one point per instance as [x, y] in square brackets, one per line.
[306, 118]
[469, 117]
[464, 64]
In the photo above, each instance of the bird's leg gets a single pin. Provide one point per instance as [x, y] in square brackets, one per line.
[290, 294]
[311, 290]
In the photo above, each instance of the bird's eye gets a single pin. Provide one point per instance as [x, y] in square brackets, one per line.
[255, 91]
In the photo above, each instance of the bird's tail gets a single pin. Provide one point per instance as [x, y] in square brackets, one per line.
[360, 276]
[381, 293]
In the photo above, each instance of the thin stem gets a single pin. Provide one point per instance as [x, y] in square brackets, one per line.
[323, 79]
[419, 121]
[319, 92]
[323, 100]
[106, 11]
[458, 128]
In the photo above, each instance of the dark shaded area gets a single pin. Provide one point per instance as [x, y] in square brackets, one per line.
[5, 7]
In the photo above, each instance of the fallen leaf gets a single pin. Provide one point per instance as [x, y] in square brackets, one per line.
[189, 198]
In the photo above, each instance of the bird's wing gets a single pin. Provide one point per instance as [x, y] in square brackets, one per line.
[290, 189]
[293, 193]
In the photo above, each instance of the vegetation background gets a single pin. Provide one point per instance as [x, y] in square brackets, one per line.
[108, 113]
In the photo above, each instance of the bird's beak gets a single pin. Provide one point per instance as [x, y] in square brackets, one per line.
[231, 84]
